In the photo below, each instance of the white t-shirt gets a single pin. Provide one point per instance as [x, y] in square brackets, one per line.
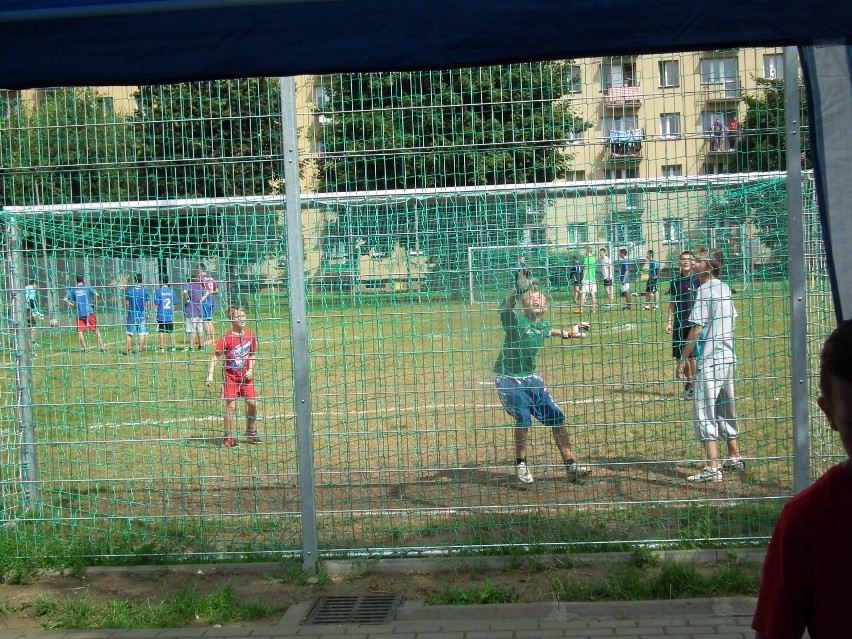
[714, 311]
[606, 268]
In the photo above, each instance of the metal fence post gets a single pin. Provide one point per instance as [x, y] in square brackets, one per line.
[23, 364]
[299, 324]
[796, 275]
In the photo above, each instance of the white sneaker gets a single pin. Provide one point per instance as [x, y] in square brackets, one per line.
[575, 471]
[735, 464]
[708, 473]
[524, 474]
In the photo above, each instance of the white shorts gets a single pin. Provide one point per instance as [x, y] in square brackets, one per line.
[625, 288]
[713, 405]
[195, 325]
[590, 287]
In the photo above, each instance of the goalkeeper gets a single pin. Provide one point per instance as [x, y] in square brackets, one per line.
[522, 392]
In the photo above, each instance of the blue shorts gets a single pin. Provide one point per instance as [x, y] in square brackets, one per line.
[137, 327]
[207, 313]
[527, 397]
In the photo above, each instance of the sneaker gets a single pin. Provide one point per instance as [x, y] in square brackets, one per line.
[252, 438]
[172, 349]
[646, 307]
[688, 391]
[626, 308]
[708, 473]
[230, 442]
[735, 464]
[524, 474]
[576, 471]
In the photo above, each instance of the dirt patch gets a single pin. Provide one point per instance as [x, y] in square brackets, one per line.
[533, 582]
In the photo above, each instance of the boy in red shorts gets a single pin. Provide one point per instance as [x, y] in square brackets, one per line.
[239, 347]
[81, 298]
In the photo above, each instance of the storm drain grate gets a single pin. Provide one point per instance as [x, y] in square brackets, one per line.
[368, 609]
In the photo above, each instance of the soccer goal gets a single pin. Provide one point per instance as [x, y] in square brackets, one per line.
[491, 269]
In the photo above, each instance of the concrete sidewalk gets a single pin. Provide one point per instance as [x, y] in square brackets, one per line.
[721, 618]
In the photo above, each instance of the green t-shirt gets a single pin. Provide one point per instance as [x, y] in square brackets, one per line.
[591, 266]
[522, 341]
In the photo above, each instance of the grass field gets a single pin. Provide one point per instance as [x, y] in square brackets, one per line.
[412, 449]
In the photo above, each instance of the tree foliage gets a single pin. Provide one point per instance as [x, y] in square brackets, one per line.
[209, 139]
[458, 127]
[763, 129]
[68, 146]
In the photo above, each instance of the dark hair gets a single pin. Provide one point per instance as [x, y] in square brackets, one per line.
[80, 279]
[622, 251]
[689, 253]
[835, 359]
[165, 280]
[651, 252]
[716, 261]
[138, 278]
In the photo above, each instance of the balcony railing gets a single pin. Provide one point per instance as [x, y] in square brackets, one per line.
[727, 91]
[722, 141]
[623, 96]
[626, 144]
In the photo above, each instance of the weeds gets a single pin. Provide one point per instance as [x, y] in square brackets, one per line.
[488, 593]
[185, 608]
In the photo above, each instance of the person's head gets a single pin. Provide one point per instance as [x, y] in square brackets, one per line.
[138, 278]
[534, 302]
[686, 263]
[602, 252]
[164, 281]
[708, 264]
[588, 251]
[575, 259]
[521, 258]
[650, 254]
[835, 382]
[622, 253]
[237, 317]
[79, 279]
[202, 271]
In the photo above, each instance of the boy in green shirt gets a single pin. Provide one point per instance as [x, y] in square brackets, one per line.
[522, 393]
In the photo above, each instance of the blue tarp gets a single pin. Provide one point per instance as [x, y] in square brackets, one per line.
[130, 42]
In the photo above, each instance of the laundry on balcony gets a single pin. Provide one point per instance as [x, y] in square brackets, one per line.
[626, 143]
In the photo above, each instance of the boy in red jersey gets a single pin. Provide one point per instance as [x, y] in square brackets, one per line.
[239, 347]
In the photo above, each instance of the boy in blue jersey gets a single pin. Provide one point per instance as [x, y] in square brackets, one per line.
[652, 286]
[137, 300]
[81, 298]
[165, 300]
[624, 274]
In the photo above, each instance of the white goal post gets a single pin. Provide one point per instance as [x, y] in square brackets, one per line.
[491, 268]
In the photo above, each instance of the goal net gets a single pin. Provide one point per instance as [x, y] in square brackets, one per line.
[491, 269]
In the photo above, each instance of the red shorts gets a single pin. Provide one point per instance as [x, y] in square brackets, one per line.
[90, 323]
[234, 388]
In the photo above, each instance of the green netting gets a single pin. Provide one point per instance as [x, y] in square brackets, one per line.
[420, 193]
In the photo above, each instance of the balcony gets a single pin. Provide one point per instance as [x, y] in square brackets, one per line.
[722, 142]
[727, 91]
[626, 145]
[623, 96]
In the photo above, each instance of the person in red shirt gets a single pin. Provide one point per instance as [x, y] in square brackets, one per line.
[239, 348]
[805, 581]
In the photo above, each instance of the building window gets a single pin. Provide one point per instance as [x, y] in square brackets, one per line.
[672, 170]
[669, 73]
[714, 168]
[670, 125]
[106, 105]
[618, 74]
[576, 137]
[575, 82]
[773, 67]
[628, 123]
[672, 231]
[623, 173]
[577, 176]
[578, 233]
[624, 229]
[719, 71]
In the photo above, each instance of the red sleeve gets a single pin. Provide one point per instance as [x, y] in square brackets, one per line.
[783, 602]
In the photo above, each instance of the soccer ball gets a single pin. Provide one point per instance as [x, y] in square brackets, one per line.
[54, 323]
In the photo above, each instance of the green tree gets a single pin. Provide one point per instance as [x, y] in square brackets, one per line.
[459, 127]
[65, 146]
[496, 125]
[763, 134]
[209, 139]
